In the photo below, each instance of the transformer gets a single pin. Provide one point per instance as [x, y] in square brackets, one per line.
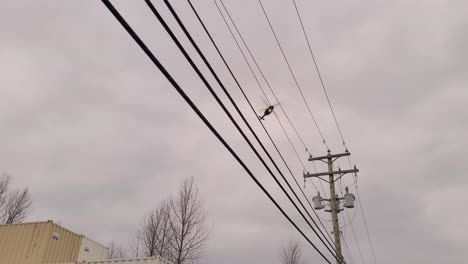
[349, 200]
[318, 202]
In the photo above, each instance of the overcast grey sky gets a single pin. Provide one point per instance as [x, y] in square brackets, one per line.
[100, 137]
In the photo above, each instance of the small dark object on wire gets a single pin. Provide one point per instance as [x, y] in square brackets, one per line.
[268, 111]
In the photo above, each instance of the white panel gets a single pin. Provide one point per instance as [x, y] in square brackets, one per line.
[152, 260]
[92, 251]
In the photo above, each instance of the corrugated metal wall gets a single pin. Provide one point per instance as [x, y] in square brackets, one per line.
[32, 243]
[152, 260]
[12, 243]
[65, 249]
[45, 242]
[92, 251]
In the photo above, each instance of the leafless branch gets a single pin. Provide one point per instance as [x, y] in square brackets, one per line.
[14, 205]
[177, 229]
[188, 224]
[116, 251]
[155, 235]
[292, 253]
[134, 248]
[5, 180]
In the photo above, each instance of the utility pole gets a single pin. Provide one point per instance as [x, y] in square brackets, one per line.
[334, 199]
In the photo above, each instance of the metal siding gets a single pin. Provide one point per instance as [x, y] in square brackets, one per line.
[40, 242]
[96, 251]
[17, 240]
[65, 249]
[152, 260]
[32, 243]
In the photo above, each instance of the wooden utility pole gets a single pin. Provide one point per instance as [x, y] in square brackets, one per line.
[334, 199]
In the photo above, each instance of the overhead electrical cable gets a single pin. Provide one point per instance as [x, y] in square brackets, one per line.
[248, 101]
[290, 142]
[357, 242]
[365, 224]
[351, 222]
[257, 66]
[292, 73]
[303, 166]
[331, 109]
[319, 74]
[359, 201]
[261, 73]
[201, 76]
[334, 117]
[350, 219]
[187, 99]
[268, 84]
[298, 86]
[347, 249]
[181, 24]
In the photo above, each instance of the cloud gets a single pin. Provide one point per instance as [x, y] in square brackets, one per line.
[99, 136]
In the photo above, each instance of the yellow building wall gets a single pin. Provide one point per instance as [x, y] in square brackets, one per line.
[32, 243]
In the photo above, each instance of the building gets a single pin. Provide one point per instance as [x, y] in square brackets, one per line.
[151, 260]
[46, 242]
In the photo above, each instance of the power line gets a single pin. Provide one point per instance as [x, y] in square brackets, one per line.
[337, 125]
[357, 243]
[292, 73]
[187, 99]
[289, 140]
[335, 119]
[362, 213]
[257, 66]
[263, 76]
[354, 233]
[365, 224]
[232, 101]
[352, 227]
[351, 220]
[266, 81]
[303, 166]
[200, 53]
[297, 84]
[319, 74]
[347, 250]
[260, 70]
[222, 57]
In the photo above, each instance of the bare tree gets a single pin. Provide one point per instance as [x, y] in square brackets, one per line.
[134, 247]
[116, 251]
[4, 184]
[15, 205]
[188, 224]
[291, 253]
[155, 233]
[177, 230]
